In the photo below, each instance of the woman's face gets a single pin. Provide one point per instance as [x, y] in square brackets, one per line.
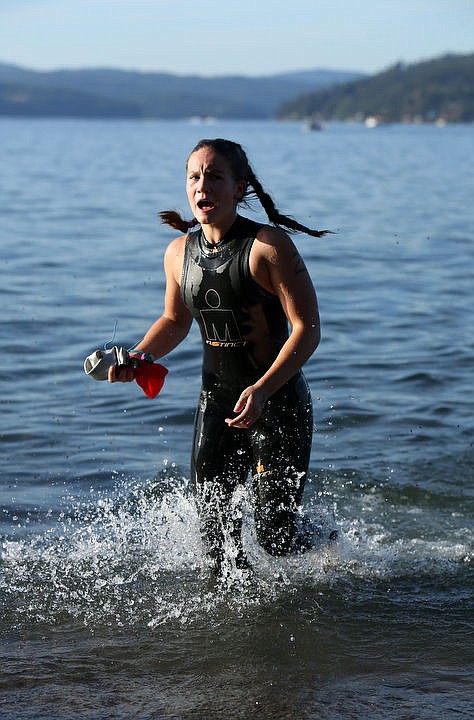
[212, 191]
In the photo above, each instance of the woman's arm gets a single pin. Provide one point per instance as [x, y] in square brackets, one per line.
[172, 327]
[276, 264]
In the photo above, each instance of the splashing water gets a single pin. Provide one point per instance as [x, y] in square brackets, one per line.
[108, 562]
[131, 557]
[134, 556]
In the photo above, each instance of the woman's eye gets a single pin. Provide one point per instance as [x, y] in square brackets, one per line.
[195, 177]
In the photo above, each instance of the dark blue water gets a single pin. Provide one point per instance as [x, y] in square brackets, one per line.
[106, 607]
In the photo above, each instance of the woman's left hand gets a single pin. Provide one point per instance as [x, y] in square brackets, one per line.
[249, 407]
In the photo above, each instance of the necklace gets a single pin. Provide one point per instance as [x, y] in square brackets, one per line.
[212, 247]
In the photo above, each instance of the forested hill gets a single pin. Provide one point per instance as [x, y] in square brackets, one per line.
[120, 93]
[436, 90]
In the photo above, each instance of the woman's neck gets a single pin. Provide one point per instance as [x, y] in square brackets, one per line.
[215, 233]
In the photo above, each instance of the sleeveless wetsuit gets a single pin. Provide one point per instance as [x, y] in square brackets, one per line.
[243, 328]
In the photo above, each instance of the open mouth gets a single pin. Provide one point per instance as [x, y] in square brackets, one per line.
[205, 205]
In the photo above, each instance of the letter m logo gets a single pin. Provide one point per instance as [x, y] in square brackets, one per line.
[220, 326]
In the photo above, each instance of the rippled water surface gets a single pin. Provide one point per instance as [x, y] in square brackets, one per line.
[107, 609]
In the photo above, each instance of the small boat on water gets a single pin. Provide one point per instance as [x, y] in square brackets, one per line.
[312, 126]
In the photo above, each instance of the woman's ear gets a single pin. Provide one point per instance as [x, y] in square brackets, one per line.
[240, 190]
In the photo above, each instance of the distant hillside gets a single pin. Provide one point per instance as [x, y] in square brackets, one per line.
[27, 100]
[119, 93]
[440, 89]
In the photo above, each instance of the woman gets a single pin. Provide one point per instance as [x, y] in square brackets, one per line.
[244, 283]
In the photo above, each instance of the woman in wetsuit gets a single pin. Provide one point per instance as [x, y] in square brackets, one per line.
[249, 291]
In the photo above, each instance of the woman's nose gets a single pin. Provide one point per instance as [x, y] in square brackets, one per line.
[202, 183]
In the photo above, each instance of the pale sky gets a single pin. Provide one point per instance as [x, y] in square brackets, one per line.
[242, 37]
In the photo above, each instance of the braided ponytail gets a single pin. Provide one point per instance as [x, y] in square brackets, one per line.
[241, 170]
[273, 214]
[176, 221]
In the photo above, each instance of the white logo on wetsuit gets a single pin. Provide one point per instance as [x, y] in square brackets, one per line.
[219, 324]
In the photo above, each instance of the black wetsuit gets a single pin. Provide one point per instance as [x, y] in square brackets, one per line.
[243, 328]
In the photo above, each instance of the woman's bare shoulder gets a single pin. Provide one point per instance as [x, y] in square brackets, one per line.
[174, 256]
[273, 243]
[177, 245]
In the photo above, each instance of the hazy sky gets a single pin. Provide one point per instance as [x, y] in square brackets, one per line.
[248, 37]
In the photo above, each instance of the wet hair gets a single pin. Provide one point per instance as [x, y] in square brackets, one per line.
[239, 165]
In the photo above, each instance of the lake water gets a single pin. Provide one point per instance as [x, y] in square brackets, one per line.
[106, 607]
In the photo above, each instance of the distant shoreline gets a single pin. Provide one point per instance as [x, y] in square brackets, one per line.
[439, 91]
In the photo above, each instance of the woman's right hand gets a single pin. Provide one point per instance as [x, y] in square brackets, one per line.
[121, 373]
